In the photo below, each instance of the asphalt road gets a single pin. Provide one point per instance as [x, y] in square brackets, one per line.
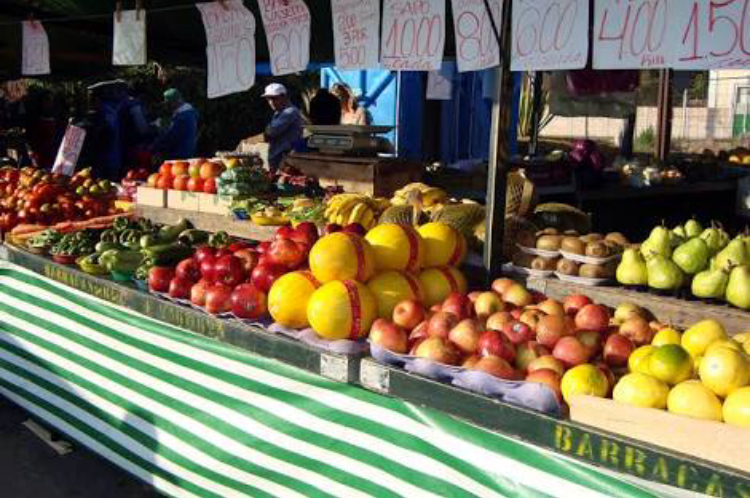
[29, 468]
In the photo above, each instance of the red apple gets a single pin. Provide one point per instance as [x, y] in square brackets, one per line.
[286, 252]
[284, 232]
[248, 302]
[306, 233]
[593, 317]
[548, 377]
[574, 303]
[408, 314]
[458, 304]
[551, 307]
[617, 350]
[264, 275]
[571, 352]
[465, 335]
[230, 270]
[418, 335]
[528, 352]
[263, 247]
[497, 367]
[591, 340]
[159, 278]
[498, 320]
[638, 330]
[516, 313]
[500, 285]
[518, 332]
[518, 296]
[179, 288]
[551, 329]
[531, 317]
[208, 268]
[439, 350]
[249, 259]
[487, 304]
[198, 293]
[547, 361]
[494, 343]
[388, 335]
[218, 298]
[441, 323]
[204, 252]
[189, 270]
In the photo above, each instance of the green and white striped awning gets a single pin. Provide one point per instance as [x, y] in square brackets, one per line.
[197, 418]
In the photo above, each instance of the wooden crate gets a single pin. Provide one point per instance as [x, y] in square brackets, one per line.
[379, 177]
[213, 204]
[184, 201]
[712, 441]
[147, 196]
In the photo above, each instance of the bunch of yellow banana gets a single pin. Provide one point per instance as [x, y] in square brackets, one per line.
[344, 209]
[430, 196]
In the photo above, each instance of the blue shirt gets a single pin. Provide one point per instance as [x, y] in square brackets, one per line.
[284, 130]
[180, 139]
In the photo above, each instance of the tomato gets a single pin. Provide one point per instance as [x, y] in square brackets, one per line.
[164, 183]
[189, 269]
[180, 182]
[166, 169]
[229, 270]
[195, 184]
[211, 169]
[159, 278]
[204, 252]
[209, 186]
[218, 298]
[153, 180]
[179, 288]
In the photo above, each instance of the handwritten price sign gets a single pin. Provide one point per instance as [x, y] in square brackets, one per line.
[356, 34]
[35, 55]
[476, 44]
[714, 35]
[413, 35]
[287, 26]
[70, 149]
[549, 35]
[129, 47]
[230, 51]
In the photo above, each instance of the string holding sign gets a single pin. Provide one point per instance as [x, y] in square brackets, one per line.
[287, 27]
[230, 49]
[413, 37]
[476, 45]
[129, 45]
[35, 49]
[356, 33]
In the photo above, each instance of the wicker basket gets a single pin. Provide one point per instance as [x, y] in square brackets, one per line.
[521, 195]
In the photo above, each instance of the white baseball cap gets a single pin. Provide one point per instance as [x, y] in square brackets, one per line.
[275, 90]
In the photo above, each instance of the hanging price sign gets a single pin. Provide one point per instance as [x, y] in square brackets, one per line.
[230, 49]
[70, 149]
[439, 84]
[413, 37]
[476, 44]
[35, 50]
[356, 33]
[129, 46]
[549, 35]
[713, 34]
[287, 26]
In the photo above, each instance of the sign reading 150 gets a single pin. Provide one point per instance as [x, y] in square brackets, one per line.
[718, 29]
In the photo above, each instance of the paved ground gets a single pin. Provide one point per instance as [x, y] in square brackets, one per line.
[29, 468]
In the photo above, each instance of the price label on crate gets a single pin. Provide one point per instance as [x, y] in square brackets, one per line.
[413, 37]
[287, 27]
[334, 367]
[356, 35]
[230, 49]
[549, 34]
[374, 376]
[476, 43]
[35, 49]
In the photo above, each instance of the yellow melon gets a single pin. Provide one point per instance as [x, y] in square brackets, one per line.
[440, 281]
[288, 298]
[445, 246]
[342, 310]
[396, 247]
[342, 256]
[392, 287]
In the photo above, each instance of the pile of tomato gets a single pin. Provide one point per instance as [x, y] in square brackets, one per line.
[196, 175]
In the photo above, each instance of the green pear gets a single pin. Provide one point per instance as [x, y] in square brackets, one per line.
[675, 240]
[679, 231]
[710, 284]
[724, 238]
[632, 268]
[692, 256]
[735, 253]
[658, 243]
[738, 287]
[664, 274]
[693, 228]
[712, 238]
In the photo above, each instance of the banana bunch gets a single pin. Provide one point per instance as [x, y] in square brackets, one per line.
[430, 196]
[344, 209]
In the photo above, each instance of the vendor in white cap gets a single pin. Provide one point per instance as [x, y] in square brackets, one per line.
[285, 128]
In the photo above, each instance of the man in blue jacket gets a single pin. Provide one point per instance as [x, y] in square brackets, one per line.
[179, 141]
[285, 129]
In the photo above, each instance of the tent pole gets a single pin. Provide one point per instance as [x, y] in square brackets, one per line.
[497, 174]
[664, 124]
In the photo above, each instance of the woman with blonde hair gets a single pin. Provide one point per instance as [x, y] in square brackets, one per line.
[351, 112]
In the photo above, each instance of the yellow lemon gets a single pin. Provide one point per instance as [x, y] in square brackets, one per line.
[641, 390]
[584, 379]
[693, 399]
[724, 370]
[737, 408]
[697, 338]
[638, 360]
[666, 336]
[670, 364]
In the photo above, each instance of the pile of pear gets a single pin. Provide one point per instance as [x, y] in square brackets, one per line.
[708, 261]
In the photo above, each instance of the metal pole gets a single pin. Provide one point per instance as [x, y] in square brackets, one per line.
[497, 174]
[536, 113]
[664, 132]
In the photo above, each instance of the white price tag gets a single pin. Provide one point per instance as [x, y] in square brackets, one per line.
[35, 49]
[129, 46]
[374, 376]
[230, 52]
[356, 35]
[549, 34]
[334, 367]
[70, 149]
[439, 84]
[287, 27]
[4, 254]
[476, 43]
[413, 37]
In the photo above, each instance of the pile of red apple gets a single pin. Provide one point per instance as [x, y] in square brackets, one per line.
[512, 334]
[236, 278]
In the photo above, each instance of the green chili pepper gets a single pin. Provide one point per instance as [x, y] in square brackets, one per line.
[193, 237]
[219, 240]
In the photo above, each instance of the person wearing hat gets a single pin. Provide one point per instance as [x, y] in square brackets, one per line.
[285, 128]
[179, 140]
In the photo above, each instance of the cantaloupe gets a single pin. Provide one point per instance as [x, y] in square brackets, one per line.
[342, 256]
[396, 247]
[445, 246]
[288, 298]
[342, 310]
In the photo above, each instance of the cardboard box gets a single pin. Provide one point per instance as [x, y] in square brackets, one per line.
[146, 196]
[214, 204]
[184, 201]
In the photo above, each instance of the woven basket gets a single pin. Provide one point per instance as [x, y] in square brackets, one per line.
[521, 195]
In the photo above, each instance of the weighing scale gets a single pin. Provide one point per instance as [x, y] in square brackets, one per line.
[351, 140]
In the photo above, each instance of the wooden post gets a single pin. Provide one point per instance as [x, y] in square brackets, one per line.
[497, 174]
[664, 124]
[536, 113]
